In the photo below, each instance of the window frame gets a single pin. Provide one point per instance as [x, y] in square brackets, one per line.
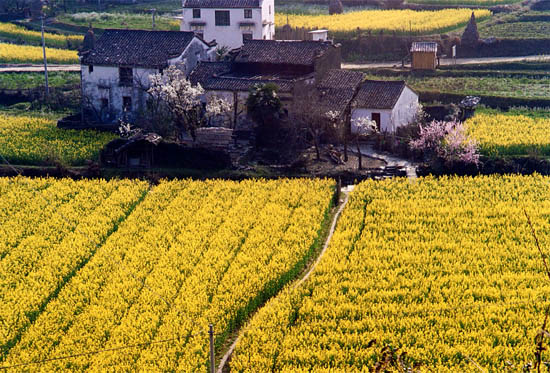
[196, 13]
[125, 76]
[247, 36]
[247, 13]
[222, 21]
[90, 69]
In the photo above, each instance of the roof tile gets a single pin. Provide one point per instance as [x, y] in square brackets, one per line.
[137, 48]
[376, 94]
[281, 52]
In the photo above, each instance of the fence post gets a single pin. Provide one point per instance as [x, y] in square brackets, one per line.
[212, 358]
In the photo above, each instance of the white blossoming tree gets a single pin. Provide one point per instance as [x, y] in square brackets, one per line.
[174, 92]
[362, 127]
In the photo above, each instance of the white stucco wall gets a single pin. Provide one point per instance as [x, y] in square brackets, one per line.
[103, 82]
[405, 109]
[402, 114]
[232, 36]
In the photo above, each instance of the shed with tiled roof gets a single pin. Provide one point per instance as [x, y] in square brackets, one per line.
[391, 104]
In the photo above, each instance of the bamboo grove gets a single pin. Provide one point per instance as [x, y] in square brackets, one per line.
[87, 265]
[444, 269]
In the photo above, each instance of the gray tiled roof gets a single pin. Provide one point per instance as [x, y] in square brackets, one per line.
[338, 88]
[221, 4]
[424, 46]
[137, 48]
[376, 94]
[337, 78]
[216, 76]
[282, 52]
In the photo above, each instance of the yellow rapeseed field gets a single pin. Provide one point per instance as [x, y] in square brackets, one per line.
[18, 33]
[13, 53]
[504, 134]
[189, 254]
[444, 269]
[37, 141]
[400, 21]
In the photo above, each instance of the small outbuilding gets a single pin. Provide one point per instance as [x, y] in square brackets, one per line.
[424, 55]
[391, 104]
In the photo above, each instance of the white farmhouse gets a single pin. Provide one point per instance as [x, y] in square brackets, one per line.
[115, 69]
[391, 104]
[229, 22]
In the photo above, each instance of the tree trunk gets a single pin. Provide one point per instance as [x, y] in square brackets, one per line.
[359, 156]
[317, 150]
[345, 148]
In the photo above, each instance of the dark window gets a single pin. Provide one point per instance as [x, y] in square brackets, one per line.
[126, 76]
[90, 69]
[222, 18]
[247, 36]
[126, 103]
[196, 13]
[104, 103]
[161, 71]
[248, 13]
[376, 118]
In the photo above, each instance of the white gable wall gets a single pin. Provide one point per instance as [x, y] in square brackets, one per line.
[385, 117]
[405, 109]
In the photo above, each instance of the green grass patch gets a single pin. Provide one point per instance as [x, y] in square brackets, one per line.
[21, 81]
[120, 21]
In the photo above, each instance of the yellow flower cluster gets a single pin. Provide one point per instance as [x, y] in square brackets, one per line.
[502, 134]
[191, 253]
[400, 21]
[18, 33]
[444, 269]
[12, 53]
[34, 140]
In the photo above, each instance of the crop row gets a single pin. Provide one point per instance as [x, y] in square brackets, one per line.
[445, 270]
[13, 53]
[190, 254]
[22, 35]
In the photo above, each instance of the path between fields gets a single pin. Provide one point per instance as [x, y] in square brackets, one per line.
[346, 191]
[14, 68]
[27, 68]
[449, 61]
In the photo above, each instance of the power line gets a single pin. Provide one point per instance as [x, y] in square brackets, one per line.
[95, 352]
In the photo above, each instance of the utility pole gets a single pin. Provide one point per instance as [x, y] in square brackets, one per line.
[212, 357]
[45, 60]
[153, 11]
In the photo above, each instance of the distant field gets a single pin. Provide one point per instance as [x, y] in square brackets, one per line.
[30, 140]
[32, 80]
[464, 2]
[478, 85]
[514, 133]
[399, 21]
[21, 35]
[515, 30]
[120, 21]
[13, 53]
